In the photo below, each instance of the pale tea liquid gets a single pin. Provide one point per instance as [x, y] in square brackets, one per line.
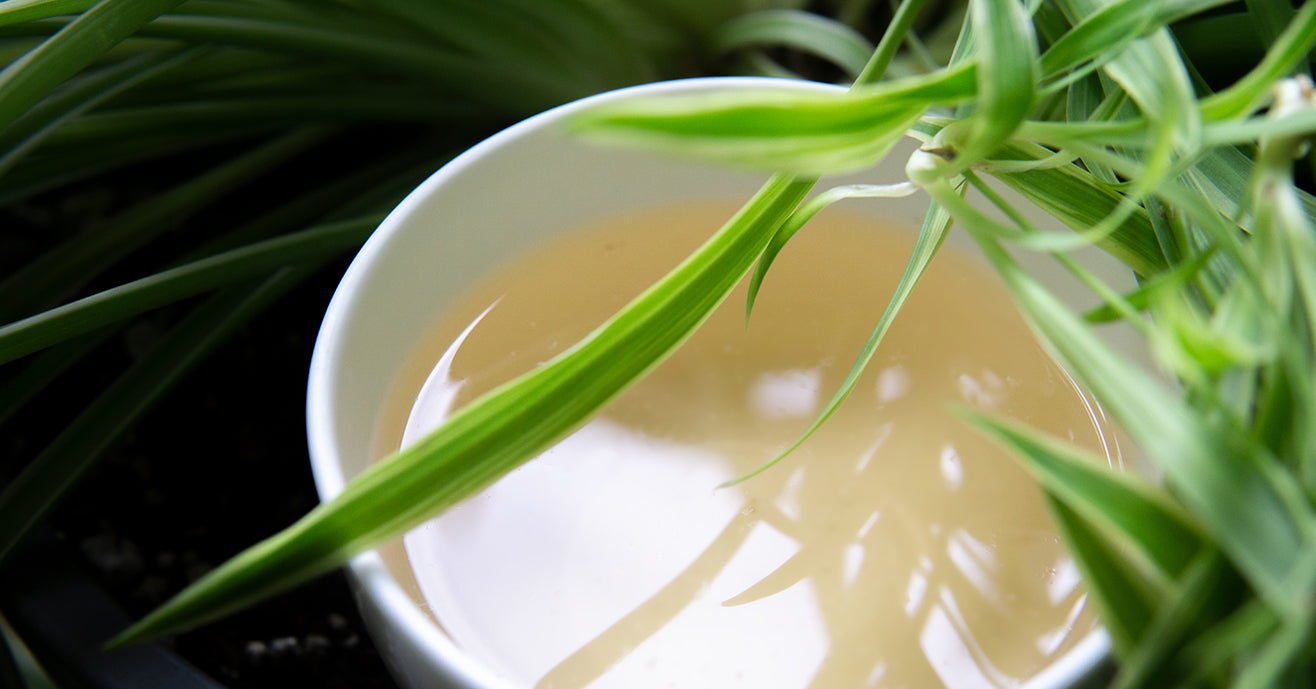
[897, 548]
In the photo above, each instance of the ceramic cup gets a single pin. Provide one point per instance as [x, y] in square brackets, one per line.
[520, 186]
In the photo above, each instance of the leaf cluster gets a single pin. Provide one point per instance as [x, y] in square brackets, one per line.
[188, 164]
[1091, 110]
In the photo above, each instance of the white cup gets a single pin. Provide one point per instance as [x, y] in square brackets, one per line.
[524, 184]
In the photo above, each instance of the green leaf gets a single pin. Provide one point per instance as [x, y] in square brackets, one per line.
[79, 95]
[812, 33]
[1100, 35]
[1007, 72]
[804, 214]
[1081, 201]
[1125, 600]
[1292, 47]
[1206, 592]
[169, 286]
[16, 11]
[800, 132]
[1173, 280]
[1228, 483]
[46, 279]
[28, 79]
[935, 226]
[27, 500]
[1158, 536]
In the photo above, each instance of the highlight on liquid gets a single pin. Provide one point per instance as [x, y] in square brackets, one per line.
[896, 548]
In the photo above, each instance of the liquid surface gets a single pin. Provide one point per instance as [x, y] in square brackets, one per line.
[896, 548]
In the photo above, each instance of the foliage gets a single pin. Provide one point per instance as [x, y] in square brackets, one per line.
[1089, 109]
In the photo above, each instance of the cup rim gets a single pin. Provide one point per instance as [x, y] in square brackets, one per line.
[396, 623]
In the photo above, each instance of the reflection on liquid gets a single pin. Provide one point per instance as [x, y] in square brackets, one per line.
[896, 548]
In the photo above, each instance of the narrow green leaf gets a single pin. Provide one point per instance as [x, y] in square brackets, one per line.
[1206, 592]
[1007, 63]
[28, 79]
[812, 33]
[51, 475]
[1124, 602]
[1173, 280]
[1159, 536]
[1101, 33]
[45, 170]
[1081, 201]
[935, 226]
[206, 116]
[804, 214]
[896, 34]
[773, 129]
[15, 11]
[31, 334]
[46, 279]
[1216, 474]
[1289, 647]
[1292, 47]
[1215, 650]
[80, 95]
[488, 82]
[44, 369]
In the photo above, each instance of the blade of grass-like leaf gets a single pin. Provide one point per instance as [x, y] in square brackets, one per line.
[1083, 100]
[28, 131]
[1244, 132]
[484, 28]
[1100, 34]
[775, 130]
[48, 167]
[1105, 30]
[1081, 201]
[1216, 474]
[1205, 593]
[44, 369]
[29, 498]
[1289, 49]
[31, 334]
[1122, 599]
[1175, 279]
[203, 116]
[812, 33]
[369, 189]
[15, 11]
[9, 673]
[1151, 71]
[1162, 538]
[935, 226]
[804, 214]
[48, 278]
[494, 434]
[1007, 61]
[603, 35]
[1214, 650]
[901, 26]
[1271, 17]
[489, 82]
[28, 79]
[1289, 647]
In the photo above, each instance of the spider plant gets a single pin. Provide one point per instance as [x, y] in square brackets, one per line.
[188, 164]
[1096, 113]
